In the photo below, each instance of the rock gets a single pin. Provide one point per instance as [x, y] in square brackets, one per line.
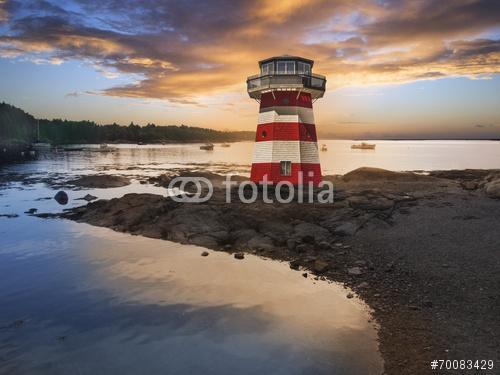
[291, 244]
[370, 203]
[324, 245]
[61, 197]
[88, 198]
[260, 243]
[346, 229]
[239, 256]
[469, 185]
[295, 264]
[492, 189]
[350, 295]
[363, 285]
[205, 254]
[302, 248]
[31, 211]
[311, 232]
[389, 267]
[9, 216]
[304, 274]
[365, 174]
[355, 271]
[203, 240]
[320, 266]
[427, 303]
[100, 181]
[308, 239]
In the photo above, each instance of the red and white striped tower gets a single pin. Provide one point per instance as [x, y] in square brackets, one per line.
[286, 142]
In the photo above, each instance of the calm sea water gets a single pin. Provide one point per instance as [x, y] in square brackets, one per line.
[86, 300]
[77, 299]
[339, 159]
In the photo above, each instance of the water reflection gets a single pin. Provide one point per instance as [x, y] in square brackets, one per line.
[95, 301]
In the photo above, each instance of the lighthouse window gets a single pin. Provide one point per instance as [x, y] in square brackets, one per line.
[304, 68]
[286, 67]
[267, 69]
[286, 168]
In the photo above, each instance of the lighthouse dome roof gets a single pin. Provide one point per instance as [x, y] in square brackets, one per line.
[286, 57]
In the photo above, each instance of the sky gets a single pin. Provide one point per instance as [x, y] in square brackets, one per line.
[394, 69]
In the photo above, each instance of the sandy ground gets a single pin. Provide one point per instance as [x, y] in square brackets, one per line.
[422, 251]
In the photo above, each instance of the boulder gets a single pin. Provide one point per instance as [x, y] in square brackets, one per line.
[295, 264]
[239, 256]
[492, 189]
[100, 181]
[260, 243]
[89, 198]
[310, 232]
[469, 185]
[346, 229]
[320, 266]
[61, 197]
[355, 271]
[302, 248]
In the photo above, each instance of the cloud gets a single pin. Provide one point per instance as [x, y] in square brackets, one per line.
[486, 126]
[181, 50]
[74, 94]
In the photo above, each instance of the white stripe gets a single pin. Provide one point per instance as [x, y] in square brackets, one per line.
[287, 114]
[294, 151]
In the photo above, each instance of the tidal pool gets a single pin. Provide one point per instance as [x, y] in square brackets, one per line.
[77, 299]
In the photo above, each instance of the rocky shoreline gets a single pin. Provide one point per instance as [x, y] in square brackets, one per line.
[423, 250]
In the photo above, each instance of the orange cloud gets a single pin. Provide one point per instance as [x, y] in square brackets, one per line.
[189, 49]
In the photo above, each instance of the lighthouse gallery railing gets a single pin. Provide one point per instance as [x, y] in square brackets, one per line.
[263, 82]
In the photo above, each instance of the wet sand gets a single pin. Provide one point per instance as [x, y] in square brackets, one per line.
[422, 250]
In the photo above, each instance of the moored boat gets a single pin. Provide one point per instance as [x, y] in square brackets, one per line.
[207, 147]
[364, 146]
[103, 148]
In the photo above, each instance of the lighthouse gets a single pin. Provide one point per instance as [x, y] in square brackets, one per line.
[286, 147]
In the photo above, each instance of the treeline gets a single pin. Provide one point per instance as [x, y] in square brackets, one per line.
[17, 125]
[64, 131]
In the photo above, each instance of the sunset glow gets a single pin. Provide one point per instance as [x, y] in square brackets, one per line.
[394, 68]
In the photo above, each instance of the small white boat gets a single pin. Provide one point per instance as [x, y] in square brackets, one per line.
[207, 147]
[324, 148]
[103, 148]
[364, 146]
[41, 146]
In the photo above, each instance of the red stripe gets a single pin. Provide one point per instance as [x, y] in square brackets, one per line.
[285, 98]
[272, 171]
[286, 131]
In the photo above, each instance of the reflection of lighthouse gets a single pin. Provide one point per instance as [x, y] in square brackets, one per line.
[286, 146]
